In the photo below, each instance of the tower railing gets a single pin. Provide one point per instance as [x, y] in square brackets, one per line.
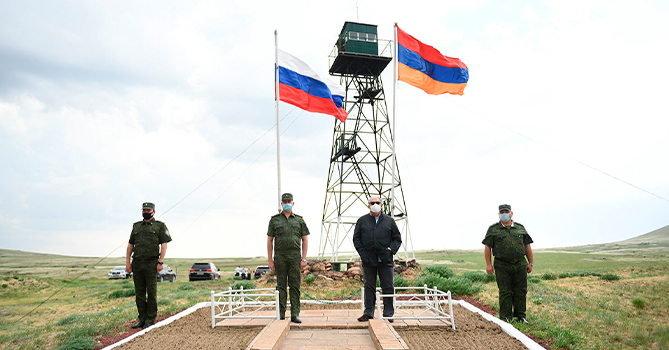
[385, 50]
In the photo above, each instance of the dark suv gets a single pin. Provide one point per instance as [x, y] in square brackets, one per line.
[204, 271]
[260, 271]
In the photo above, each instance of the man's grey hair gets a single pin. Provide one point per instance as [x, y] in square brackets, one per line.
[375, 196]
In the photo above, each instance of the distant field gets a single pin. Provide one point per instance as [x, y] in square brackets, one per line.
[625, 310]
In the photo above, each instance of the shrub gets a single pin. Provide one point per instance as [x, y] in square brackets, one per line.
[439, 270]
[245, 284]
[609, 277]
[534, 279]
[6, 278]
[400, 281]
[565, 275]
[639, 303]
[549, 276]
[309, 279]
[4, 285]
[586, 274]
[478, 276]
[186, 287]
[457, 285]
[78, 343]
[430, 279]
[122, 293]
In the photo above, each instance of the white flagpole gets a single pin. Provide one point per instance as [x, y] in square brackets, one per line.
[278, 127]
[394, 131]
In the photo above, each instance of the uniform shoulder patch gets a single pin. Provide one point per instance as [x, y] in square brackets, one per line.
[276, 215]
[299, 216]
[495, 224]
[519, 224]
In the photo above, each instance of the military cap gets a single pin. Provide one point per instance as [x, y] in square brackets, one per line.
[505, 207]
[286, 196]
[148, 205]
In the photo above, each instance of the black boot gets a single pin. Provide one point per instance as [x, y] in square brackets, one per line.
[139, 324]
[294, 319]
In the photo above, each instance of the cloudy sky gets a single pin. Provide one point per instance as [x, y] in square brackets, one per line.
[104, 105]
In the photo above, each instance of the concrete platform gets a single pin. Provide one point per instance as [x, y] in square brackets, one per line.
[325, 329]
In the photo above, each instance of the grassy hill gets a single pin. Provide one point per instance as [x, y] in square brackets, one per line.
[654, 242]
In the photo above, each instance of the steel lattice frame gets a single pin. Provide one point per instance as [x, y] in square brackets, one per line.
[361, 163]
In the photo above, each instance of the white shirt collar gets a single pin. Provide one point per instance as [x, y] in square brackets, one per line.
[506, 226]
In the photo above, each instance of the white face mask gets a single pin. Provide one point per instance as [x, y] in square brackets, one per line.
[375, 208]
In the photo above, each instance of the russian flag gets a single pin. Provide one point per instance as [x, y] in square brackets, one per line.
[300, 86]
[426, 68]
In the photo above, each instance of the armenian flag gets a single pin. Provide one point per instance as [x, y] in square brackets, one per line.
[426, 68]
[301, 86]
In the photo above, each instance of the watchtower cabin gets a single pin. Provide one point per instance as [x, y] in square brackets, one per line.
[357, 51]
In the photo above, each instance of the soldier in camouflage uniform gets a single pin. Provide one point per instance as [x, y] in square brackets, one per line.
[510, 244]
[147, 245]
[285, 233]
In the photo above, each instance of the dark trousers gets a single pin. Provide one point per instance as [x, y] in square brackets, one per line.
[144, 275]
[287, 267]
[512, 283]
[386, 274]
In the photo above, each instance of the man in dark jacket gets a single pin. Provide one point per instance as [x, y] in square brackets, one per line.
[377, 239]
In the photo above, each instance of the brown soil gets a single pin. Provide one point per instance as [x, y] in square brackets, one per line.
[473, 332]
[194, 332]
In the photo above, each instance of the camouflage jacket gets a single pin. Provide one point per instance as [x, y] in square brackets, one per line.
[507, 242]
[147, 238]
[287, 232]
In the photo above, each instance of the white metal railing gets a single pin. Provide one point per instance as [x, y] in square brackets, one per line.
[431, 304]
[240, 303]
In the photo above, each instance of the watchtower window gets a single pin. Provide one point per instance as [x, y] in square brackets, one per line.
[369, 37]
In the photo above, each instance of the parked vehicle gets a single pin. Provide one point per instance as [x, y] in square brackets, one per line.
[204, 271]
[260, 271]
[118, 272]
[166, 274]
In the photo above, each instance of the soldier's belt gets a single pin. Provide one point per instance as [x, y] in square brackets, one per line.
[512, 262]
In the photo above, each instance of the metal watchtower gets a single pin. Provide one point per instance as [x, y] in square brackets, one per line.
[361, 157]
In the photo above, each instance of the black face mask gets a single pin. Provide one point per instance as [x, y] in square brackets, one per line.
[147, 216]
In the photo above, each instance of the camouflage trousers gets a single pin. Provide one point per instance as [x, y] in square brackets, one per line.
[287, 267]
[512, 284]
[144, 275]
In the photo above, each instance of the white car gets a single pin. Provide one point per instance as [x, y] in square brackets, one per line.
[118, 272]
[166, 274]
